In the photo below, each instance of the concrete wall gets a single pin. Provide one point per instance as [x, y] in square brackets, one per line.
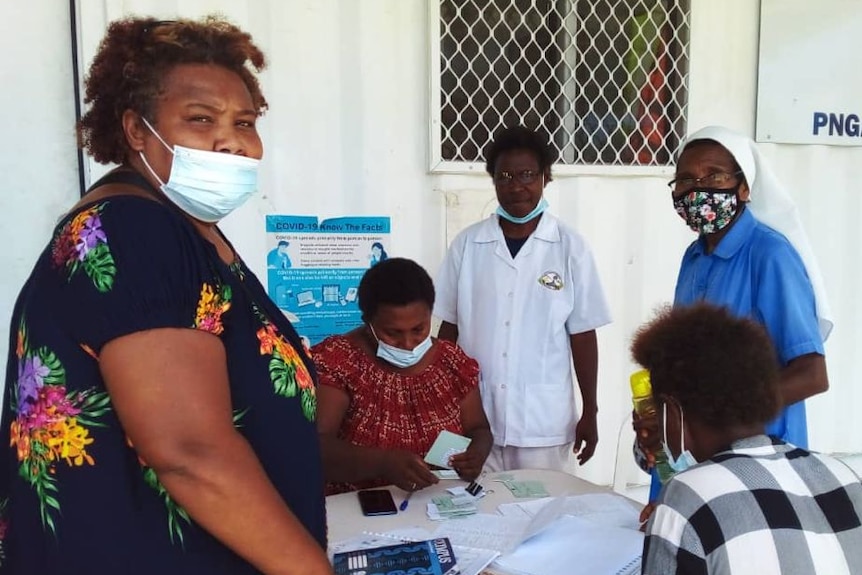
[37, 157]
[347, 134]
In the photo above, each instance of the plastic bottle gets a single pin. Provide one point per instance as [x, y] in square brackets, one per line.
[644, 405]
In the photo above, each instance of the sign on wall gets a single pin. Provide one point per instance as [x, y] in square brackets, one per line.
[809, 86]
[314, 268]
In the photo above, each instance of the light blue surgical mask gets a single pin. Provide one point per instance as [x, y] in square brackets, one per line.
[536, 212]
[685, 459]
[206, 185]
[401, 357]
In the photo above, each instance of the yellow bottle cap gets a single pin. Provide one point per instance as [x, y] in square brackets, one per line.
[640, 383]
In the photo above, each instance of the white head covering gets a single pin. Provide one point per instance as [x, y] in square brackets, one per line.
[772, 205]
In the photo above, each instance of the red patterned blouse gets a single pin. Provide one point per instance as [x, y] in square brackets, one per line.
[393, 410]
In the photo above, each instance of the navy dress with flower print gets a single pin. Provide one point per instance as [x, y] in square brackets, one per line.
[74, 495]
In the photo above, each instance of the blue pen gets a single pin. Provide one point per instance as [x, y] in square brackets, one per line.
[404, 503]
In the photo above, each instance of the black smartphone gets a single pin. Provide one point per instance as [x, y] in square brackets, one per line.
[376, 502]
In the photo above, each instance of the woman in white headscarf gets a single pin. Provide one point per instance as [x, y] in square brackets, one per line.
[770, 204]
[753, 257]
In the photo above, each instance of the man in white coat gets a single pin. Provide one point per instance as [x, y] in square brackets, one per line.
[520, 293]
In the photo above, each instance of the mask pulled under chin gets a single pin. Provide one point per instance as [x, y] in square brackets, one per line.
[204, 184]
[536, 212]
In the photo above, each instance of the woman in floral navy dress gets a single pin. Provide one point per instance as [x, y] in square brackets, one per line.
[160, 410]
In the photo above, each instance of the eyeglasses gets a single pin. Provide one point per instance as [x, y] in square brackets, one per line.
[716, 180]
[524, 177]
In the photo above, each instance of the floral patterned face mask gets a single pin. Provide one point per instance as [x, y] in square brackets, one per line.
[707, 210]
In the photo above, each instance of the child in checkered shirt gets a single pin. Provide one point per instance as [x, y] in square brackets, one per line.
[753, 504]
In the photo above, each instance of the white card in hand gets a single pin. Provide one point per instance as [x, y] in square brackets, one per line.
[445, 446]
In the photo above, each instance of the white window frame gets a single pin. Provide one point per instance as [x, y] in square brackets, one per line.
[436, 163]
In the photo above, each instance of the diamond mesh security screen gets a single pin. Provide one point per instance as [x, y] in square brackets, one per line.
[606, 79]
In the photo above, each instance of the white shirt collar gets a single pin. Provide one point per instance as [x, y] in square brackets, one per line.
[490, 230]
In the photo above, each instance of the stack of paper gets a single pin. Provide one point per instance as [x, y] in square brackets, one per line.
[485, 531]
[520, 521]
[595, 548]
[448, 506]
[595, 532]
[457, 503]
[605, 508]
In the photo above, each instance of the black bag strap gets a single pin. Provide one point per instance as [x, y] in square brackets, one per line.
[129, 177]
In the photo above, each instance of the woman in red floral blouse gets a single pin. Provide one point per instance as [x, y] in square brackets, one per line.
[388, 388]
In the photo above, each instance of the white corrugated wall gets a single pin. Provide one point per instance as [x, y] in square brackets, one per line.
[347, 134]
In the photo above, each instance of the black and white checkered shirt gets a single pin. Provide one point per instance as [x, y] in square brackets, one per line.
[763, 507]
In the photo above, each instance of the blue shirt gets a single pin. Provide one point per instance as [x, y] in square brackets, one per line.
[755, 272]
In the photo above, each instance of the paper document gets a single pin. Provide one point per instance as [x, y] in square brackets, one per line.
[458, 502]
[485, 531]
[590, 531]
[445, 446]
[605, 508]
[524, 489]
[595, 548]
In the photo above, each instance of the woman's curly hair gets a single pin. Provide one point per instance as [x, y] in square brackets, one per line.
[396, 282]
[722, 369]
[134, 57]
[519, 138]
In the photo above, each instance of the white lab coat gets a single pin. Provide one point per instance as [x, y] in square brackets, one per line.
[515, 316]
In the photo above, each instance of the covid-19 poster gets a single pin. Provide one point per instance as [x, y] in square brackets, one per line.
[314, 268]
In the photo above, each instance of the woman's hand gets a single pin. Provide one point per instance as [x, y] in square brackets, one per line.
[647, 436]
[469, 464]
[645, 514]
[406, 470]
[586, 437]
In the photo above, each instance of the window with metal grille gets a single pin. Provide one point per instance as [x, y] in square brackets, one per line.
[606, 79]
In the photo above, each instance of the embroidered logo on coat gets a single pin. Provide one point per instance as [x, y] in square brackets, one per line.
[551, 280]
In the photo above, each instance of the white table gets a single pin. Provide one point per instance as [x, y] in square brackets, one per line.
[345, 517]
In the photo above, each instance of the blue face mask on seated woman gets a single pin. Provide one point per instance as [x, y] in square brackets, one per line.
[401, 357]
